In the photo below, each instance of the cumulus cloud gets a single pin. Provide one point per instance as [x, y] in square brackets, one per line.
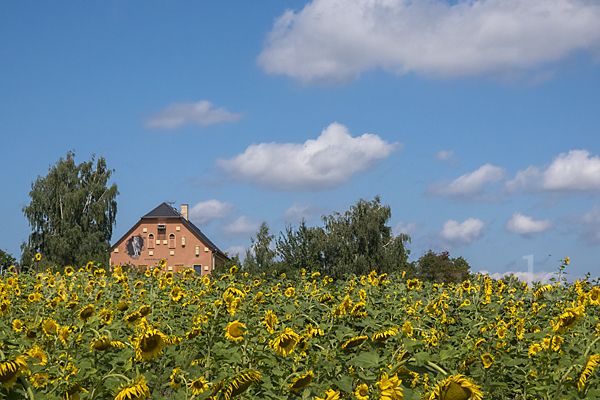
[201, 113]
[324, 163]
[576, 171]
[529, 277]
[469, 186]
[233, 250]
[526, 225]
[406, 228]
[336, 40]
[243, 226]
[299, 211]
[462, 233]
[207, 211]
[587, 226]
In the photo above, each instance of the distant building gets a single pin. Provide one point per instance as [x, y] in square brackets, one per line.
[166, 233]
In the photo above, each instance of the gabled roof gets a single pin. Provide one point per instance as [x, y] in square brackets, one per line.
[164, 210]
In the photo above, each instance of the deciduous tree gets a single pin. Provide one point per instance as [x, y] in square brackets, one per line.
[72, 213]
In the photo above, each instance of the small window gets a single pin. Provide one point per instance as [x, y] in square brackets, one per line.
[151, 241]
[162, 232]
[198, 269]
[171, 241]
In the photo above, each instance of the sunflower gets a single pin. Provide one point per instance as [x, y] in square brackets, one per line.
[188, 273]
[87, 312]
[11, 370]
[38, 257]
[145, 310]
[98, 296]
[487, 360]
[106, 316]
[175, 378]
[588, 370]
[39, 380]
[17, 325]
[50, 326]
[359, 309]
[69, 270]
[301, 381]
[39, 354]
[193, 333]
[384, 335]
[4, 307]
[149, 344]
[235, 331]
[330, 395]
[355, 341]
[123, 305]
[594, 296]
[31, 334]
[362, 392]
[456, 387]
[73, 392]
[198, 386]
[135, 390]
[71, 305]
[64, 333]
[133, 318]
[407, 327]
[285, 343]
[568, 319]
[103, 343]
[270, 320]
[241, 383]
[389, 388]
[290, 292]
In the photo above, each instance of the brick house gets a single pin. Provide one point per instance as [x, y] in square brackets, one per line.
[166, 233]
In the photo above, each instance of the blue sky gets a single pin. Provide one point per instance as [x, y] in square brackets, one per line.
[477, 122]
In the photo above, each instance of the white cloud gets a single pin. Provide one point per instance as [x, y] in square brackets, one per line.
[444, 155]
[587, 226]
[242, 226]
[523, 276]
[462, 233]
[324, 163]
[576, 171]
[469, 186]
[201, 113]
[233, 250]
[526, 225]
[299, 211]
[336, 40]
[206, 211]
[408, 229]
[523, 180]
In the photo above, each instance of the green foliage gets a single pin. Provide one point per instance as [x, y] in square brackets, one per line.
[260, 257]
[356, 242]
[72, 213]
[442, 268]
[6, 259]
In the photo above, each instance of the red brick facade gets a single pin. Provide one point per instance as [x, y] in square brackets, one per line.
[166, 233]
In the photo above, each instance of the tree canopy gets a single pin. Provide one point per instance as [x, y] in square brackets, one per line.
[72, 213]
[356, 242]
[442, 268]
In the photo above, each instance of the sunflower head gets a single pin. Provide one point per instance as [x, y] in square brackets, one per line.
[198, 386]
[235, 331]
[137, 389]
[301, 381]
[87, 312]
[149, 344]
[355, 341]
[285, 343]
[11, 370]
[456, 387]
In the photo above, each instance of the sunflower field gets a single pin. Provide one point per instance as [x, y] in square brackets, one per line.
[97, 334]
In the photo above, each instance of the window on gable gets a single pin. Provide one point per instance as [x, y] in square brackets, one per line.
[151, 241]
[171, 241]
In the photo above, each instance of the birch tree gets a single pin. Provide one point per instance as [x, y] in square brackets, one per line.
[72, 213]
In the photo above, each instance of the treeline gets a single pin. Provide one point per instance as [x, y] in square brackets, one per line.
[353, 243]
